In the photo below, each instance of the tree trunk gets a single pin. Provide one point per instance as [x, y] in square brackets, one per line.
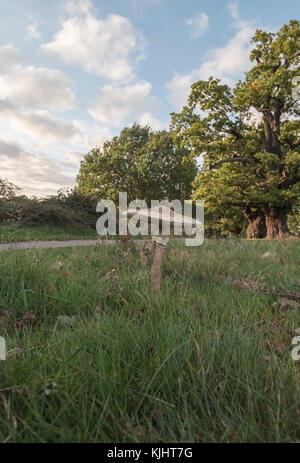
[257, 225]
[272, 130]
[276, 222]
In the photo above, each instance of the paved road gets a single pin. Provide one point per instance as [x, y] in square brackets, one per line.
[49, 244]
[59, 244]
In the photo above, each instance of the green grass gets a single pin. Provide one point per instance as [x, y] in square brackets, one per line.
[12, 233]
[199, 364]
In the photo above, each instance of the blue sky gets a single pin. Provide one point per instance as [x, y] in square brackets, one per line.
[75, 72]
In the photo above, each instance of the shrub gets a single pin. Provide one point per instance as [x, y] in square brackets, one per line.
[64, 209]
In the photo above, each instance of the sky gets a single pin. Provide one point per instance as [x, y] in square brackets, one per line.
[73, 73]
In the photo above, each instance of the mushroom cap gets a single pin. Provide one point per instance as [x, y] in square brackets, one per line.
[163, 214]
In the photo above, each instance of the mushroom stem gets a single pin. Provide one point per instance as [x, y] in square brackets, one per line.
[160, 248]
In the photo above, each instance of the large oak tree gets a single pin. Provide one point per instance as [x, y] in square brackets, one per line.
[249, 136]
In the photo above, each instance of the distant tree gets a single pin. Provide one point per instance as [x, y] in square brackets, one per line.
[247, 164]
[145, 164]
[7, 189]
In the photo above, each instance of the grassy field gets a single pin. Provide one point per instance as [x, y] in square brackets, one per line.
[93, 357]
[12, 233]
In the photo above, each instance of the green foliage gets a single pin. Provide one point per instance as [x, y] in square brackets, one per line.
[294, 222]
[222, 223]
[69, 208]
[248, 137]
[145, 164]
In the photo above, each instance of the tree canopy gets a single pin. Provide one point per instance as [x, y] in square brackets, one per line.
[249, 136]
[7, 189]
[145, 164]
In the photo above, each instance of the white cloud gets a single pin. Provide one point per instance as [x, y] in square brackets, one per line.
[47, 168]
[9, 149]
[94, 134]
[78, 6]
[115, 104]
[179, 88]
[33, 87]
[33, 31]
[73, 158]
[26, 96]
[106, 47]
[148, 119]
[99, 137]
[23, 89]
[225, 63]
[233, 58]
[197, 25]
[43, 127]
[35, 174]
[39, 125]
[9, 57]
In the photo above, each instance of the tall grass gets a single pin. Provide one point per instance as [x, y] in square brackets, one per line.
[16, 233]
[199, 364]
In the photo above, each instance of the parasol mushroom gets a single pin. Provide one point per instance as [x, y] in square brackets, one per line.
[164, 218]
